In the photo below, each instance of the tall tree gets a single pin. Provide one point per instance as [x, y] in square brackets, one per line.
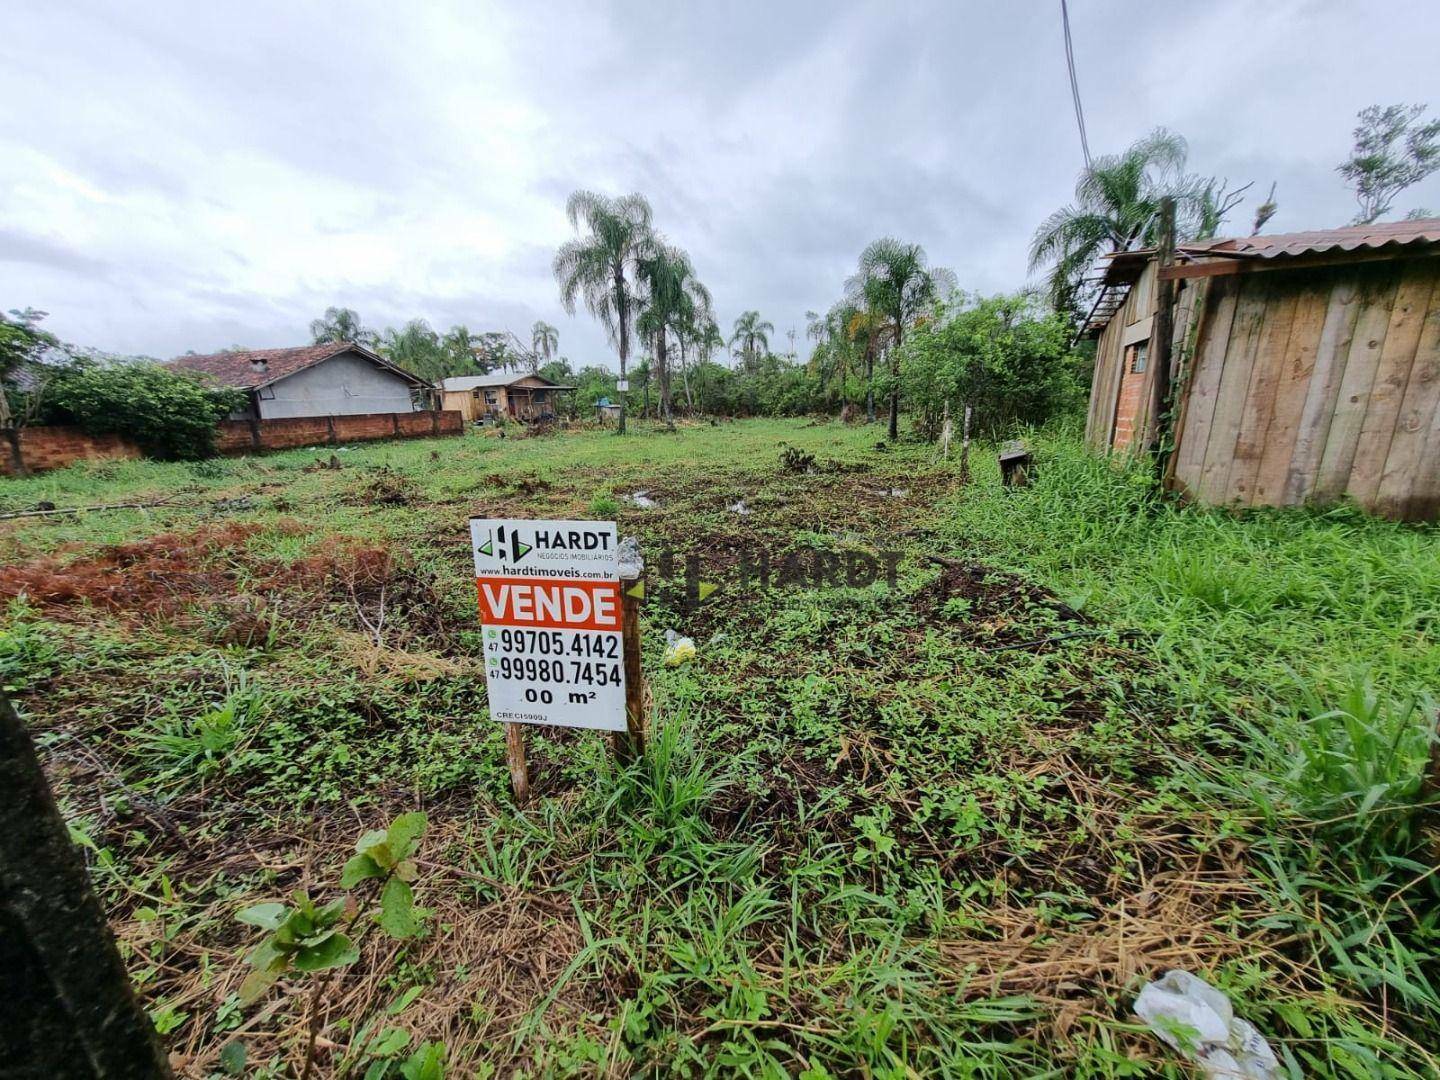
[544, 342]
[601, 265]
[416, 348]
[867, 331]
[750, 336]
[707, 338]
[24, 379]
[674, 300]
[1393, 150]
[897, 282]
[1117, 206]
[338, 324]
[459, 347]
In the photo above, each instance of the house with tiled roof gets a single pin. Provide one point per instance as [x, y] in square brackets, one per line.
[338, 378]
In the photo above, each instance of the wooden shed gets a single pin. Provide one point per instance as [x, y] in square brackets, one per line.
[1305, 367]
[518, 396]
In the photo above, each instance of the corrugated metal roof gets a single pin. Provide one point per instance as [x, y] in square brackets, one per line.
[1421, 231]
[477, 382]
[1123, 267]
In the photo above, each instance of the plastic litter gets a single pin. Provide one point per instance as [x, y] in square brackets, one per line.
[738, 507]
[641, 499]
[1191, 1016]
[678, 649]
[631, 562]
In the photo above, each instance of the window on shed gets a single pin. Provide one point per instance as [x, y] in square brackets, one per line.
[1136, 356]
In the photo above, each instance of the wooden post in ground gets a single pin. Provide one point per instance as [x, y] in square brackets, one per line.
[1160, 340]
[515, 758]
[965, 450]
[69, 1008]
[629, 744]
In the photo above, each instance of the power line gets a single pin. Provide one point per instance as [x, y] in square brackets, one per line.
[1074, 83]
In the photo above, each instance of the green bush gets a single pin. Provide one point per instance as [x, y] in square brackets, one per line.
[1005, 356]
[169, 414]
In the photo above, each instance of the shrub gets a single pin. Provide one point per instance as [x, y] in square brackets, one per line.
[169, 414]
[1003, 355]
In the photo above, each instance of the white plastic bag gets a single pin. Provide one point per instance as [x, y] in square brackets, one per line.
[1194, 1018]
[677, 649]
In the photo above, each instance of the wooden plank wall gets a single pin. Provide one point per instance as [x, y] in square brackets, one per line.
[1308, 386]
[1114, 399]
[1109, 361]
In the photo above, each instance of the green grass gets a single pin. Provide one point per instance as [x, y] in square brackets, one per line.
[878, 832]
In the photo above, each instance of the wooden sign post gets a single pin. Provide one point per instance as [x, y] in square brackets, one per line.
[629, 745]
[562, 634]
[515, 758]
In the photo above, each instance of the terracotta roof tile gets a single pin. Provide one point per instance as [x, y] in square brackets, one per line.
[248, 368]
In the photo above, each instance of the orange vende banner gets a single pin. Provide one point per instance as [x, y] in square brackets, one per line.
[554, 605]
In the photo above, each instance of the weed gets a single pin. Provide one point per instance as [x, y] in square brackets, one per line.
[944, 828]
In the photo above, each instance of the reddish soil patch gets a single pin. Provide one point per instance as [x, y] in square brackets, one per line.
[161, 575]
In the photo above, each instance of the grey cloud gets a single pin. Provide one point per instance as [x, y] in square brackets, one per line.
[230, 171]
[50, 252]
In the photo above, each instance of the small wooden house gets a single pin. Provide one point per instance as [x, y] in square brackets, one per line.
[1304, 367]
[518, 397]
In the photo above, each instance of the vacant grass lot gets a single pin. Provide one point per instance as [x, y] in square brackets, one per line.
[946, 828]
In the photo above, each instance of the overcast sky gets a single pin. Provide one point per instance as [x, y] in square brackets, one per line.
[180, 175]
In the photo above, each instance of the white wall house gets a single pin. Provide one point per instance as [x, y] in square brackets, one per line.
[334, 379]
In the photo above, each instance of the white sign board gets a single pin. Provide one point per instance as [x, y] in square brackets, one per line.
[622, 385]
[549, 594]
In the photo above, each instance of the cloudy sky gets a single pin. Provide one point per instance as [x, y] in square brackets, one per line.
[176, 175]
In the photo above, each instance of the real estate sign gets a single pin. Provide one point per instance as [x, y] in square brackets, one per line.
[550, 604]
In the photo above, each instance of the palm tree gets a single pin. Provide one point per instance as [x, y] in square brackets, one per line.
[751, 334]
[544, 342]
[865, 330]
[601, 265]
[706, 339]
[459, 346]
[338, 324]
[897, 283]
[416, 348]
[675, 300]
[1117, 206]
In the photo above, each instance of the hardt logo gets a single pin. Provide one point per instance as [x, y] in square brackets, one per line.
[505, 544]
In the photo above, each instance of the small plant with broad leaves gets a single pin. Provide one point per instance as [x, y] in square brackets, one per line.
[306, 937]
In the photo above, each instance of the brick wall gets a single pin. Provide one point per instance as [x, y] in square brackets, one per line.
[1128, 407]
[244, 436]
[44, 448]
[55, 447]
